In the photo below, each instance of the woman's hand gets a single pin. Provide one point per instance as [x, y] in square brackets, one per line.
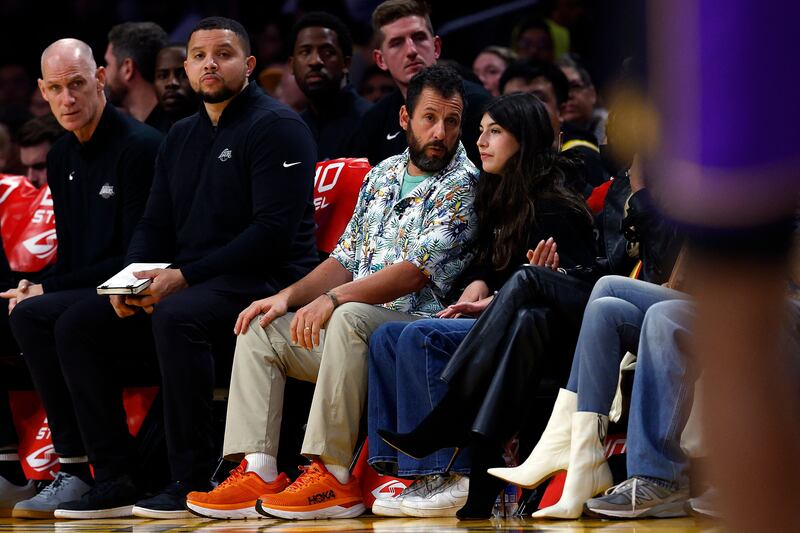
[545, 255]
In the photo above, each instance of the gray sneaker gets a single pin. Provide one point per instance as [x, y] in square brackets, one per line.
[639, 497]
[10, 494]
[64, 488]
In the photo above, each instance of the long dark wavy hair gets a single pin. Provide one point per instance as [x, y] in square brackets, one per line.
[505, 204]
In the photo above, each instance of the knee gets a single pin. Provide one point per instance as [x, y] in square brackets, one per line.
[23, 315]
[349, 316]
[604, 308]
[663, 319]
[168, 316]
[606, 286]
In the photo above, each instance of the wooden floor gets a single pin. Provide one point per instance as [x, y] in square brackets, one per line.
[689, 525]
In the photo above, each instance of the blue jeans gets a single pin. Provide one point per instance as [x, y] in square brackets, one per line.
[405, 363]
[611, 326]
[663, 389]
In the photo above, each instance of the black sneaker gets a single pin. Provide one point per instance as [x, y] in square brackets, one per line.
[170, 502]
[113, 498]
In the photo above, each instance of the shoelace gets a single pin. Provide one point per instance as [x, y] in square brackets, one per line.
[311, 474]
[235, 475]
[53, 487]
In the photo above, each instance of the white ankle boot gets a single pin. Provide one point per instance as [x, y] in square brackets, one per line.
[588, 473]
[551, 453]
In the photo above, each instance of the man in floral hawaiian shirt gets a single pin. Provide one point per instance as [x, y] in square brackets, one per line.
[406, 244]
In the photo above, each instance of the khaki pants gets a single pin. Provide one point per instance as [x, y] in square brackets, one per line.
[266, 356]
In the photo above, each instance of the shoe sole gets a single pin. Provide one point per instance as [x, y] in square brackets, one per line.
[666, 510]
[334, 511]
[115, 512]
[32, 513]
[242, 513]
[431, 512]
[144, 512]
[385, 510]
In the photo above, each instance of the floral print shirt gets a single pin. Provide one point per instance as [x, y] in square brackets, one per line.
[433, 227]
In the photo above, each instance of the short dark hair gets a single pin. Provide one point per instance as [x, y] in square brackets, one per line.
[38, 130]
[392, 10]
[529, 70]
[139, 41]
[441, 78]
[224, 23]
[569, 61]
[324, 20]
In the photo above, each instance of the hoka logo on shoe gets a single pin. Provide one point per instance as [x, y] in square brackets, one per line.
[321, 497]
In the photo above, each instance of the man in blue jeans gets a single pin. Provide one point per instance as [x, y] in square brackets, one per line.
[663, 390]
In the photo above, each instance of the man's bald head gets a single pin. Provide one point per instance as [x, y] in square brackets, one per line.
[69, 50]
[73, 86]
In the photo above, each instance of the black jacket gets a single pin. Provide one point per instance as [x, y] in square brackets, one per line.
[333, 128]
[99, 191]
[235, 198]
[380, 135]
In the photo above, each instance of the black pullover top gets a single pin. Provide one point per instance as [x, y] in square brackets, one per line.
[236, 198]
[99, 192]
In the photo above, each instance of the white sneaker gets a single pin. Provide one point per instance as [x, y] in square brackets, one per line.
[388, 497]
[439, 495]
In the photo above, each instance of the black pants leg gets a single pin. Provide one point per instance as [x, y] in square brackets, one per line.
[97, 351]
[186, 330]
[190, 328]
[33, 323]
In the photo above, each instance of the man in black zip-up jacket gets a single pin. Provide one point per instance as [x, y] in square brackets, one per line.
[231, 209]
[99, 175]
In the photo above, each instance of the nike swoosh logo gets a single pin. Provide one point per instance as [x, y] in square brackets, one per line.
[390, 136]
[287, 165]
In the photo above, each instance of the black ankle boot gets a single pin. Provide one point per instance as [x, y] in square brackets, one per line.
[446, 426]
[483, 488]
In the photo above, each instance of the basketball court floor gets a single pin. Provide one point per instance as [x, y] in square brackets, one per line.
[368, 523]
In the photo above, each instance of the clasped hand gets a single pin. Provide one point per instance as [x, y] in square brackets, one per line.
[25, 289]
[166, 281]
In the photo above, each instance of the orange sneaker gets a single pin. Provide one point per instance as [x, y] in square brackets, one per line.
[235, 498]
[315, 494]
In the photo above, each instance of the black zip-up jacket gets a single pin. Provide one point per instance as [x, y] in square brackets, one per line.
[99, 192]
[380, 135]
[236, 198]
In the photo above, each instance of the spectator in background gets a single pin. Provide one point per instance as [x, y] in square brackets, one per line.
[130, 70]
[532, 39]
[99, 175]
[38, 106]
[489, 66]
[15, 87]
[580, 110]
[375, 84]
[407, 44]
[549, 84]
[175, 95]
[9, 158]
[320, 60]
[34, 139]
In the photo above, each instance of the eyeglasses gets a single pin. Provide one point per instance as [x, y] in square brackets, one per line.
[38, 166]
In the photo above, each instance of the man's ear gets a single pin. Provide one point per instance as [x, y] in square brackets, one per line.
[377, 56]
[437, 46]
[404, 118]
[40, 83]
[100, 76]
[127, 69]
[251, 65]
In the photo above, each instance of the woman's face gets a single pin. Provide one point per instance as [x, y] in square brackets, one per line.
[488, 68]
[496, 145]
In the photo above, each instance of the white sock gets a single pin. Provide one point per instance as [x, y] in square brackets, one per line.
[265, 465]
[341, 473]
